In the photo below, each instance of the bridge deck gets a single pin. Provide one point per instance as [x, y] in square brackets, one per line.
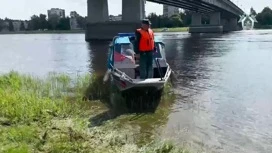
[204, 6]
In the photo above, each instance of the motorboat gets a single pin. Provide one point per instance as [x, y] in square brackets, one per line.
[123, 65]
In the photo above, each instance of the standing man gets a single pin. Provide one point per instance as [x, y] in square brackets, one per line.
[145, 45]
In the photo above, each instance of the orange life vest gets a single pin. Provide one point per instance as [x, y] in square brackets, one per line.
[147, 40]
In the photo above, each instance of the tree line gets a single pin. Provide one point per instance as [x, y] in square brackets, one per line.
[183, 19]
[264, 18]
[41, 22]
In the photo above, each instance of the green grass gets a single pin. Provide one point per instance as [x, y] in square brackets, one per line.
[179, 29]
[49, 115]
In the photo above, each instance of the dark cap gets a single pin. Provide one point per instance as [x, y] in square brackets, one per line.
[146, 21]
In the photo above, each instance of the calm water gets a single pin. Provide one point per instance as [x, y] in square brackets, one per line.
[224, 82]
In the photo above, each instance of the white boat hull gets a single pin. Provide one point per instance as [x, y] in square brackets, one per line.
[126, 83]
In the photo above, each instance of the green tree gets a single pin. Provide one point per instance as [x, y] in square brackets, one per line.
[264, 18]
[82, 22]
[252, 11]
[154, 19]
[64, 24]
[53, 21]
[186, 17]
[176, 20]
[34, 23]
[1, 24]
[11, 27]
[22, 26]
[160, 21]
[43, 22]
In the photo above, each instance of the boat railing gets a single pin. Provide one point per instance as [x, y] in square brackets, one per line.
[122, 74]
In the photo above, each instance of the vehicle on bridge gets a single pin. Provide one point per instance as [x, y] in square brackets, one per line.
[123, 65]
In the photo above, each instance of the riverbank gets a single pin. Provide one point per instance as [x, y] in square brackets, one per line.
[180, 29]
[52, 115]
[161, 30]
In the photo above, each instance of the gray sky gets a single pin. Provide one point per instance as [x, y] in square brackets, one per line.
[23, 9]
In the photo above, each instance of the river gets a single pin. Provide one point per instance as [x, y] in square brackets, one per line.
[224, 84]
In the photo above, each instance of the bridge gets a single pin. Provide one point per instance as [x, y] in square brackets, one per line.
[223, 14]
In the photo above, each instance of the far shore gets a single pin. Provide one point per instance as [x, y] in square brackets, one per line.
[180, 29]
[44, 32]
[156, 30]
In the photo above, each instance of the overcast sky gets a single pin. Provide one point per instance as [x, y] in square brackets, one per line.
[23, 9]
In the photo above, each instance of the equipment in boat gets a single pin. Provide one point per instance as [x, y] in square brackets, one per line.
[123, 65]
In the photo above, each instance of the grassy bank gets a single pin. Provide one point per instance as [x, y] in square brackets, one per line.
[179, 29]
[52, 115]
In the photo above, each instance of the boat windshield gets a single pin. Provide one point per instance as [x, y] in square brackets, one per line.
[127, 49]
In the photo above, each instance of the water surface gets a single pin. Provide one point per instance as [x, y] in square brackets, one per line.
[224, 82]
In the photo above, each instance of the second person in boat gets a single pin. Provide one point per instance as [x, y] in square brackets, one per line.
[145, 46]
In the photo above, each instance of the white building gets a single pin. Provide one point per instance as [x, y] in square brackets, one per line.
[170, 10]
[56, 11]
[26, 23]
[16, 25]
[73, 20]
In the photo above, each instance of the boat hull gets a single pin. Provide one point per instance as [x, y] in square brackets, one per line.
[125, 84]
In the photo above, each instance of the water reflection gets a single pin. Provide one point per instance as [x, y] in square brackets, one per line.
[223, 90]
[219, 88]
[193, 67]
[41, 54]
[224, 82]
[98, 53]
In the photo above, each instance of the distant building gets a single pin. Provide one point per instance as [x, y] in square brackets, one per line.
[73, 20]
[168, 11]
[56, 11]
[115, 18]
[26, 23]
[16, 25]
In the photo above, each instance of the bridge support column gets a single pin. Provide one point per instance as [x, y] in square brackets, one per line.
[133, 10]
[230, 24]
[196, 23]
[213, 27]
[97, 11]
[234, 24]
[196, 19]
[215, 18]
[98, 26]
